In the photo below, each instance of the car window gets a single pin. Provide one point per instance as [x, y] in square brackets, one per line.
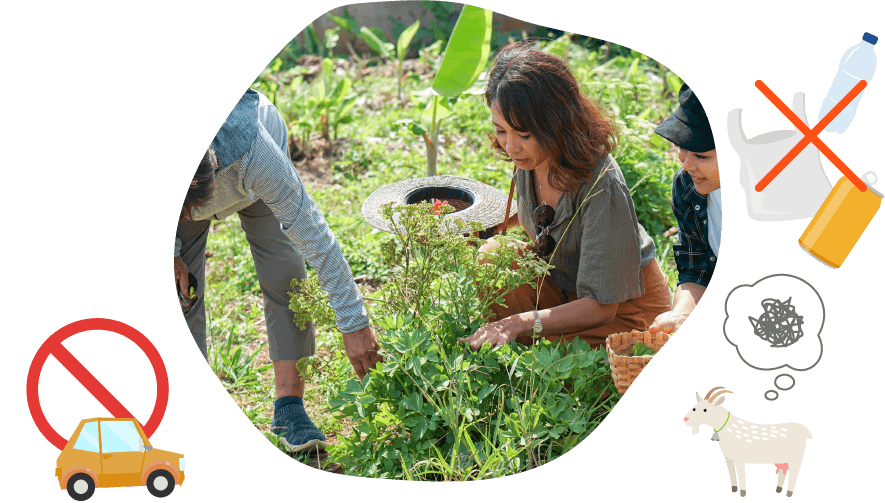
[119, 436]
[88, 439]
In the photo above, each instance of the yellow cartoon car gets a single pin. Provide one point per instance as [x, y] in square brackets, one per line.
[110, 452]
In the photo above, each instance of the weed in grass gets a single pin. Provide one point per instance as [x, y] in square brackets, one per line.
[235, 367]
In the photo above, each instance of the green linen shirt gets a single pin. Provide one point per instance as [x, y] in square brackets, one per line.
[602, 253]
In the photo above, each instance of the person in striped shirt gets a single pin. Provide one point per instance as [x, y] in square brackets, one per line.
[247, 171]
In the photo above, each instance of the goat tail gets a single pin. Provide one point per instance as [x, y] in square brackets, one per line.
[805, 430]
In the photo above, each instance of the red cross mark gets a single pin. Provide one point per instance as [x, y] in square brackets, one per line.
[810, 136]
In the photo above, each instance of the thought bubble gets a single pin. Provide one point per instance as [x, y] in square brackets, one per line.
[798, 320]
[784, 382]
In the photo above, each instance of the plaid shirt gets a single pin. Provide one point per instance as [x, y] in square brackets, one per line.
[252, 151]
[695, 259]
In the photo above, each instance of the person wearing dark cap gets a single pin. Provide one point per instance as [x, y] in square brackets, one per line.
[697, 204]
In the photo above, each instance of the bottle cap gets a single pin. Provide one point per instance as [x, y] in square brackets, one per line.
[870, 178]
[870, 38]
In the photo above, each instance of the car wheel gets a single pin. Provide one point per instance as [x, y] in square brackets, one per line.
[81, 487]
[160, 483]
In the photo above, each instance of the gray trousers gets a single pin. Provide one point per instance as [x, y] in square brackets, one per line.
[277, 262]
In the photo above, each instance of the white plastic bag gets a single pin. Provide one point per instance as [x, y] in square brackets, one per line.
[799, 190]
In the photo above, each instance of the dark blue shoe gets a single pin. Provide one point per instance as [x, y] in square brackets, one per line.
[297, 432]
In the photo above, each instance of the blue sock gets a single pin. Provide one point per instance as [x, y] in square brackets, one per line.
[286, 400]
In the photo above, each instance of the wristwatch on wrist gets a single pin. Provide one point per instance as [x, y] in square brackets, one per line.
[537, 327]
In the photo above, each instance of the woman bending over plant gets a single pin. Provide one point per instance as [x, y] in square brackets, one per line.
[574, 203]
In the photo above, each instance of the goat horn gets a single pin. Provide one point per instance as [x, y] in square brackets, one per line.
[717, 394]
[712, 390]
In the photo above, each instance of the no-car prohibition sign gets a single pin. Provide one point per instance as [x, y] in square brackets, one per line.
[95, 368]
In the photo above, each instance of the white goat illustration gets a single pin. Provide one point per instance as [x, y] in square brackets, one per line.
[745, 442]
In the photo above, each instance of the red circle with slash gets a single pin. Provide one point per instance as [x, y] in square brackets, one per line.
[94, 367]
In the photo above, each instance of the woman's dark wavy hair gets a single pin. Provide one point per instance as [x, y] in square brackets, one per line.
[538, 94]
[201, 187]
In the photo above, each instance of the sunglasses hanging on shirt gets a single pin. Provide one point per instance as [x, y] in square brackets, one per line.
[544, 242]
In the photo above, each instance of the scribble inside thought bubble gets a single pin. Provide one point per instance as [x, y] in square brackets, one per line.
[779, 324]
[743, 304]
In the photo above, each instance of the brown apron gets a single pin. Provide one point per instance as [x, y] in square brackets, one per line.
[633, 314]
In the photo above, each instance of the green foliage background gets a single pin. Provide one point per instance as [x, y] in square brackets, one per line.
[372, 150]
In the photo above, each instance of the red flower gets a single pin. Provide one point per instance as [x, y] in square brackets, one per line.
[437, 206]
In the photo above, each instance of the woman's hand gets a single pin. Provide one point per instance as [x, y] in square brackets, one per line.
[496, 333]
[668, 322]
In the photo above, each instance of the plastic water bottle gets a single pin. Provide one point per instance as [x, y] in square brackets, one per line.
[858, 63]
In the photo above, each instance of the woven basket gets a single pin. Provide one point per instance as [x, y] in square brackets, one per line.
[626, 368]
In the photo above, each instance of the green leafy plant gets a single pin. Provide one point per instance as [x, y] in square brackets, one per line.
[374, 37]
[304, 108]
[389, 51]
[314, 45]
[347, 22]
[268, 81]
[435, 410]
[430, 55]
[640, 349]
[335, 99]
[327, 105]
[560, 45]
[234, 368]
[466, 55]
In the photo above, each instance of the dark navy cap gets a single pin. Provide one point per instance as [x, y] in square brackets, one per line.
[688, 127]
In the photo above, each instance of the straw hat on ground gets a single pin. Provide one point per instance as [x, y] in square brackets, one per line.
[474, 201]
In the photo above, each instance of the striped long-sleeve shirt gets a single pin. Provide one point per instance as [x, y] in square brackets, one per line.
[254, 164]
